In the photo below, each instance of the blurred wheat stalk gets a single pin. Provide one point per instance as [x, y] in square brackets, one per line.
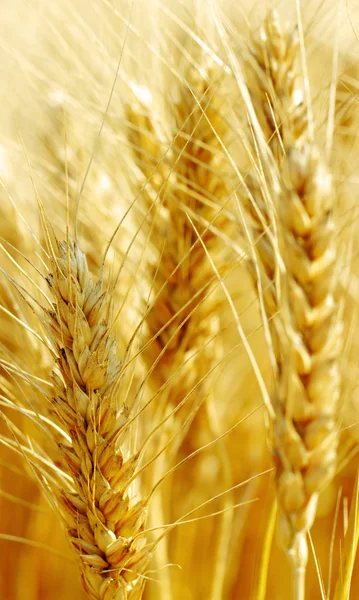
[178, 302]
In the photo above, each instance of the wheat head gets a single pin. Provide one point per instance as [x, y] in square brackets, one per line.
[104, 522]
[301, 294]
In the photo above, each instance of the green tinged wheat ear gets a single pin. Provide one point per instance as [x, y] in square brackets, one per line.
[103, 517]
[301, 293]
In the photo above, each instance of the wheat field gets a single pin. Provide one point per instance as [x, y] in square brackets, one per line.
[179, 292]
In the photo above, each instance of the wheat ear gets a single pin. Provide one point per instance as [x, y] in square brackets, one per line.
[301, 299]
[180, 275]
[103, 519]
[63, 165]
[188, 189]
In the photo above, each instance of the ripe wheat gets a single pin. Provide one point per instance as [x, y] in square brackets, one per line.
[206, 169]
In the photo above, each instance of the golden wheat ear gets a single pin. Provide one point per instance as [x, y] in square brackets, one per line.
[103, 517]
[298, 255]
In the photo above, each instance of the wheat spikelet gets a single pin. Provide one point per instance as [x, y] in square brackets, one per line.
[309, 386]
[182, 335]
[307, 331]
[103, 520]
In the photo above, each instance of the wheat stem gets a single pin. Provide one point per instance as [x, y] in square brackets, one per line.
[261, 587]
